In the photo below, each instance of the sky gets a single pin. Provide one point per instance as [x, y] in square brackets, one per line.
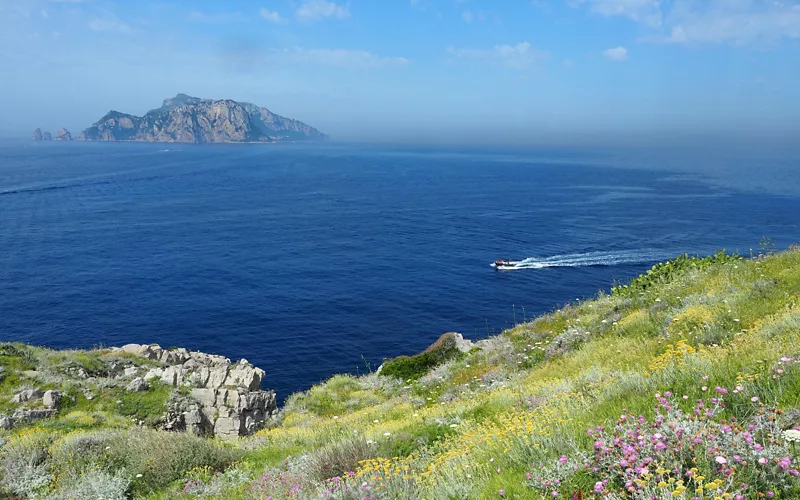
[473, 71]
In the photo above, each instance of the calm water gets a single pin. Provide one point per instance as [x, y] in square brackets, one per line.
[305, 259]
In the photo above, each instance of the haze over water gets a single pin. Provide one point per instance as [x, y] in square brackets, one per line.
[303, 259]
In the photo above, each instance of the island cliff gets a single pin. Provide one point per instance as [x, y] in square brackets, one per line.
[190, 119]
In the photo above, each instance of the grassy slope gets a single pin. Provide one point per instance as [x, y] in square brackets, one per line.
[473, 427]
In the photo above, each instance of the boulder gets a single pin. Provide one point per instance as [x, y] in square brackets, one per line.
[28, 416]
[6, 423]
[143, 350]
[51, 399]
[174, 356]
[462, 344]
[153, 373]
[27, 395]
[137, 385]
[245, 375]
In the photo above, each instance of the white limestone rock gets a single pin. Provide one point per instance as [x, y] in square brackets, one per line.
[51, 399]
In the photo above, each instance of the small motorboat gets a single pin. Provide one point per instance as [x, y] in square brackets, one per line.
[501, 263]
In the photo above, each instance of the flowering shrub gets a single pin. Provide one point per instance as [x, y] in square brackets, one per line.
[275, 484]
[681, 453]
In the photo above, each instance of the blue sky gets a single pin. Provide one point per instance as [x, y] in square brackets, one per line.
[471, 70]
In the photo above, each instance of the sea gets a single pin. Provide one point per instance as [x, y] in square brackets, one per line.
[316, 259]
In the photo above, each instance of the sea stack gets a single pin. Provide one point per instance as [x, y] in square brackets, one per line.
[63, 135]
[37, 134]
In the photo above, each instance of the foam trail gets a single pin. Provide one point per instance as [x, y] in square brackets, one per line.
[586, 259]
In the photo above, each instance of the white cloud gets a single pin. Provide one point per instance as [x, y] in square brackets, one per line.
[218, 17]
[515, 56]
[271, 16]
[737, 22]
[110, 25]
[644, 11]
[345, 58]
[469, 16]
[315, 10]
[617, 54]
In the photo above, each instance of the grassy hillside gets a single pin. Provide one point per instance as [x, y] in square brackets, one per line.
[683, 384]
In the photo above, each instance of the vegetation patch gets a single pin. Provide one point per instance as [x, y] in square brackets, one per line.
[413, 367]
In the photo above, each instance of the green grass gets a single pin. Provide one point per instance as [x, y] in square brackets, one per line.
[147, 406]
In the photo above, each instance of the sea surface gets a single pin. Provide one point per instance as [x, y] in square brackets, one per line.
[310, 260]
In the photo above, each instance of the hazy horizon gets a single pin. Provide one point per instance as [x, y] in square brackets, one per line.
[420, 71]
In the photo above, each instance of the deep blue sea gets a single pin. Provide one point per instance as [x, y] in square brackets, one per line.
[313, 260]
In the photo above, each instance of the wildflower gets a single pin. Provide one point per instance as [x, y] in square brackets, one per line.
[502, 493]
[387, 434]
[138, 475]
[754, 399]
[704, 388]
[598, 487]
[721, 460]
[763, 460]
[792, 436]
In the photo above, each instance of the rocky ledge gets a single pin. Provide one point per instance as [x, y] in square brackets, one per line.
[225, 399]
[208, 394]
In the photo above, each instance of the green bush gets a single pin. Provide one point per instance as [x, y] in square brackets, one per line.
[664, 272]
[413, 367]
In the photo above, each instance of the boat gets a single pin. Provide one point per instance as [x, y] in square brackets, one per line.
[502, 263]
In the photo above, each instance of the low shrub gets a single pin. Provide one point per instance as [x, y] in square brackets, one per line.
[413, 367]
[339, 458]
[95, 483]
[25, 462]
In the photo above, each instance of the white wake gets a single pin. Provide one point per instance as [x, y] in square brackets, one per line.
[586, 259]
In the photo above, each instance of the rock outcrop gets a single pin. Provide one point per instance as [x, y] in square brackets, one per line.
[190, 119]
[38, 135]
[225, 399]
[63, 135]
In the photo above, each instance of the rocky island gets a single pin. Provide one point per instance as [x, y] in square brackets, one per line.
[188, 119]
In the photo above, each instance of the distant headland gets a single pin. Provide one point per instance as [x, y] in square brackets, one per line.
[188, 119]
